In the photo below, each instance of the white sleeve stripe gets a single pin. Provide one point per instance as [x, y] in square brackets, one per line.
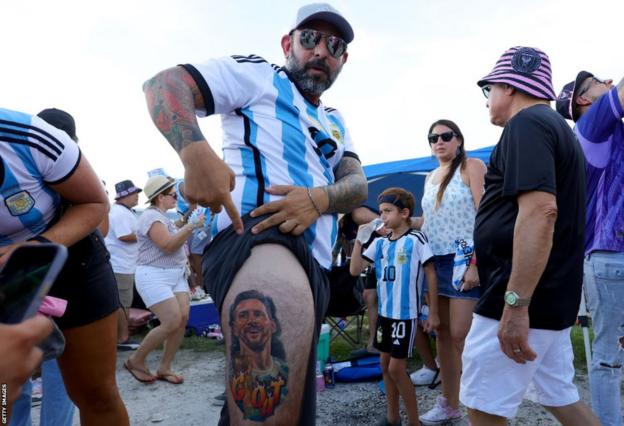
[69, 174]
[51, 140]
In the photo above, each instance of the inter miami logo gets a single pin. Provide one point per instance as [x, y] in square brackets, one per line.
[526, 60]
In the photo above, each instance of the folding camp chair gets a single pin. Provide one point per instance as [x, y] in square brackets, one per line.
[346, 307]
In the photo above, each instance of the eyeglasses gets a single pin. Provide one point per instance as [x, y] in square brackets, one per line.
[486, 91]
[593, 80]
[335, 45]
[446, 137]
[172, 195]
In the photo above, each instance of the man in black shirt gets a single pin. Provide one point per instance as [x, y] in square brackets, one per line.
[529, 250]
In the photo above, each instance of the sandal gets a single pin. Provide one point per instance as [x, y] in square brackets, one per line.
[133, 371]
[170, 377]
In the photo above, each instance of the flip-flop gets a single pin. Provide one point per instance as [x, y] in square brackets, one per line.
[133, 370]
[172, 378]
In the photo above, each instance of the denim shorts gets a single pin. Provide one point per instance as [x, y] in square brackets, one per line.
[444, 271]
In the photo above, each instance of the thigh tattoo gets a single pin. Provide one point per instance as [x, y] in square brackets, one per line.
[258, 372]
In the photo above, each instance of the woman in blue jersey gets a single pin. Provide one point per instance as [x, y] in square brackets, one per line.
[451, 197]
[49, 192]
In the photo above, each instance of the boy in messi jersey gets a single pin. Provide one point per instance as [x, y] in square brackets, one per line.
[401, 262]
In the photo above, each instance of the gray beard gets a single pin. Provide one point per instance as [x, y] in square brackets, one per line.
[309, 84]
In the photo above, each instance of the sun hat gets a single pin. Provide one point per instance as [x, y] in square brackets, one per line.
[527, 69]
[326, 13]
[566, 102]
[157, 185]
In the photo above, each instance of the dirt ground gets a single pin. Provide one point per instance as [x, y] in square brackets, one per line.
[192, 403]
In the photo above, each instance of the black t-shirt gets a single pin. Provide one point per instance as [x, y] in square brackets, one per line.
[536, 152]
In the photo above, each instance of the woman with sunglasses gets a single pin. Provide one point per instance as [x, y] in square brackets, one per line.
[451, 197]
[161, 280]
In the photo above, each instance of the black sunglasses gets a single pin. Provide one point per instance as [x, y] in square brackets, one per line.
[486, 91]
[446, 137]
[591, 82]
[335, 45]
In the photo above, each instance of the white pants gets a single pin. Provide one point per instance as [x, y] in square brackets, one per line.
[495, 384]
[158, 284]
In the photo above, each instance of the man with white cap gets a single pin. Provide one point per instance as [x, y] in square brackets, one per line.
[289, 168]
[121, 242]
[529, 249]
[596, 106]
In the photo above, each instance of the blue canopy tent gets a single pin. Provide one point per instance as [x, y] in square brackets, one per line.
[409, 174]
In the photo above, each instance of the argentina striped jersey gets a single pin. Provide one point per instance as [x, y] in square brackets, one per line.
[400, 274]
[272, 135]
[33, 154]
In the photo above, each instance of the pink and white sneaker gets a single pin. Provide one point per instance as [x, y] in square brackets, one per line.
[441, 413]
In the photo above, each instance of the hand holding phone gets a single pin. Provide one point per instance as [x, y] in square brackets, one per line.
[26, 278]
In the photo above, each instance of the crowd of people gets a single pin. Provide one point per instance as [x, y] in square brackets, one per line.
[499, 255]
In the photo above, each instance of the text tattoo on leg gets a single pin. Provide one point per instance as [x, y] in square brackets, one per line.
[258, 372]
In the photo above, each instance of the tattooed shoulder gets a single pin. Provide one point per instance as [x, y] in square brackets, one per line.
[172, 98]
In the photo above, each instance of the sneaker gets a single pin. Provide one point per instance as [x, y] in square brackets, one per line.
[441, 413]
[37, 392]
[424, 376]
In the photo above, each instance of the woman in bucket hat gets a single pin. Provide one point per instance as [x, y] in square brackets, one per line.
[161, 280]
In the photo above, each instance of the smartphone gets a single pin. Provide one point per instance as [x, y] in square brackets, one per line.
[26, 278]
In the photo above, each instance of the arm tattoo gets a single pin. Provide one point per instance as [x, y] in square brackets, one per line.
[258, 372]
[172, 97]
[350, 189]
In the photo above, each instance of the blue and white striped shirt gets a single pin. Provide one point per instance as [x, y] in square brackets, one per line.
[273, 136]
[400, 274]
[33, 155]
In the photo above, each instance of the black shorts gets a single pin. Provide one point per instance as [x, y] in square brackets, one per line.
[370, 282]
[397, 336]
[227, 253]
[87, 282]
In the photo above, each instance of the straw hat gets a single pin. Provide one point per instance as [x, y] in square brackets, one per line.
[157, 185]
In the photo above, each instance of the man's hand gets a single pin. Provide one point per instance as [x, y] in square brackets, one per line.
[18, 354]
[513, 333]
[208, 181]
[471, 278]
[294, 213]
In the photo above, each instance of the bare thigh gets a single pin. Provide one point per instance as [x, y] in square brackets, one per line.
[273, 395]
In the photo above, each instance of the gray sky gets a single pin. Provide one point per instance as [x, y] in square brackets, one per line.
[411, 62]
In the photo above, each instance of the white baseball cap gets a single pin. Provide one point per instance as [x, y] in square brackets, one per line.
[327, 13]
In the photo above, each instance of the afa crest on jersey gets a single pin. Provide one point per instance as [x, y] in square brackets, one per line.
[19, 203]
[335, 131]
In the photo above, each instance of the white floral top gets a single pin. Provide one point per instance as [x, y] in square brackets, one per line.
[453, 219]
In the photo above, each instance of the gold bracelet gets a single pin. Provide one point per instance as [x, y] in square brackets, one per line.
[313, 203]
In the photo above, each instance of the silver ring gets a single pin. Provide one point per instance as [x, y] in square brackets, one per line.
[517, 351]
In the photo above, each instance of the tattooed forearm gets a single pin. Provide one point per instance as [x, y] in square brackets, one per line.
[172, 97]
[350, 189]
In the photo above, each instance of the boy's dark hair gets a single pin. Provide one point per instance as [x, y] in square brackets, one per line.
[400, 197]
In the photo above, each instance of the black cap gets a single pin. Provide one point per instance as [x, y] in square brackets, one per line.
[566, 101]
[61, 120]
